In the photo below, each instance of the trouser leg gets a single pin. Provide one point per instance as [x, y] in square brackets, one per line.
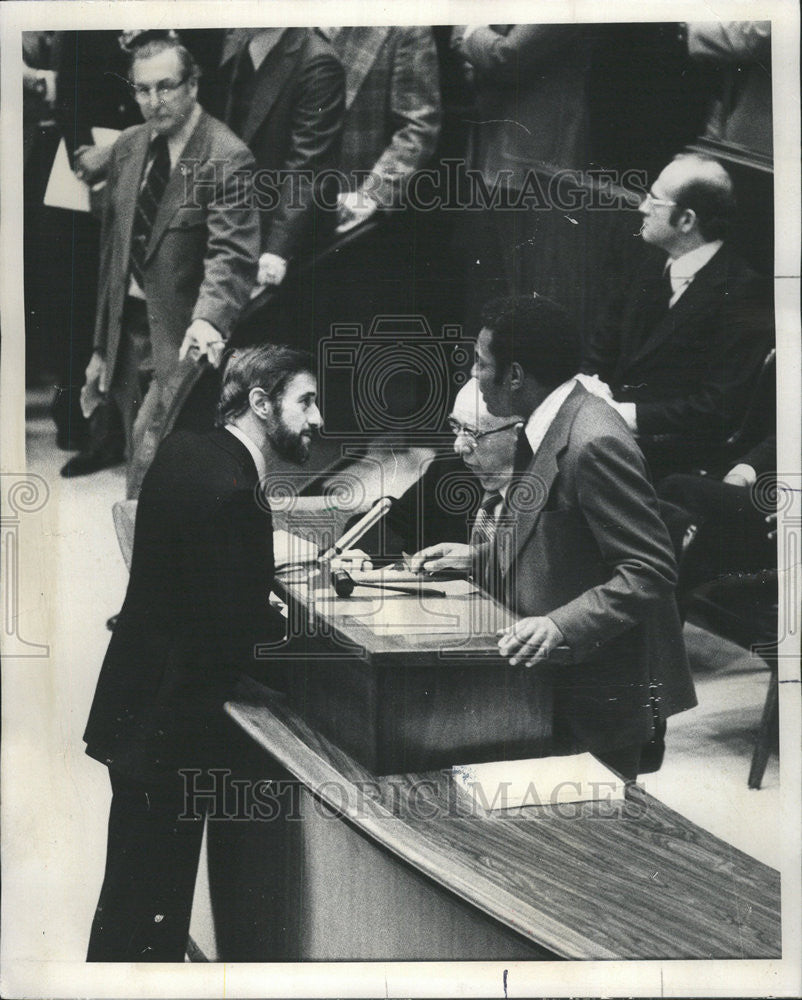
[134, 369]
[152, 857]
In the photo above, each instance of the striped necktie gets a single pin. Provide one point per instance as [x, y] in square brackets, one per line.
[484, 524]
[147, 205]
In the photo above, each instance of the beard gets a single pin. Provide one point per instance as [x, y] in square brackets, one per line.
[290, 445]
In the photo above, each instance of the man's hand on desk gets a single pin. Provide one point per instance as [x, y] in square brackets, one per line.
[443, 556]
[530, 640]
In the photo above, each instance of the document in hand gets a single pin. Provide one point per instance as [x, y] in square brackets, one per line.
[508, 784]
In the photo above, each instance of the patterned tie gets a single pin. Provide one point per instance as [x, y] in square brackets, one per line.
[147, 205]
[484, 524]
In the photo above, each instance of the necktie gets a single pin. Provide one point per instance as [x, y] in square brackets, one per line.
[484, 524]
[523, 452]
[147, 205]
[241, 93]
[656, 302]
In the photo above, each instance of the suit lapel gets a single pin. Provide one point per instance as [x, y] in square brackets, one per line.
[129, 179]
[526, 499]
[358, 54]
[703, 287]
[174, 194]
[271, 78]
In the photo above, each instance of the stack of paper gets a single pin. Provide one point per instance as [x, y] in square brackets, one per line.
[508, 784]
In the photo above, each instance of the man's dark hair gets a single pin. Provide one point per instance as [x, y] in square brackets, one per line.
[710, 194]
[535, 332]
[152, 43]
[268, 366]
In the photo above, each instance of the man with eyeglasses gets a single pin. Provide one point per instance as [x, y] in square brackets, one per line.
[679, 352]
[460, 492]
[180, 243]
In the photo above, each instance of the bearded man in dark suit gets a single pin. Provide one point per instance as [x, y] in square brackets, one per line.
[194, 614]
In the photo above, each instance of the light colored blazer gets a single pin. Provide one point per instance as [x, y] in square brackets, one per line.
[587, 547]
[201, 260]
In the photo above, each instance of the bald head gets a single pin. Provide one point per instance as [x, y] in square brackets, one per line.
[470, 409]
[691, 203]
[492, 456]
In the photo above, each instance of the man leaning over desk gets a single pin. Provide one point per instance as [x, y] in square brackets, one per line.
[587, 562]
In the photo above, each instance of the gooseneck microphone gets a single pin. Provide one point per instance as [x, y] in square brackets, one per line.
[356, 531]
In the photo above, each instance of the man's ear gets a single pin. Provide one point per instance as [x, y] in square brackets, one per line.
[688, 220]
[260, 403]
[516, 376]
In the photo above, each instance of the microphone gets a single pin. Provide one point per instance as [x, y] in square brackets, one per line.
[356, 531]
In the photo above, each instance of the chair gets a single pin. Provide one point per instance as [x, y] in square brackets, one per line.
[124, 515]
[743, 608]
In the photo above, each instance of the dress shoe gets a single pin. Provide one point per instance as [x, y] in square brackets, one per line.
[88, 462]
[111, 623]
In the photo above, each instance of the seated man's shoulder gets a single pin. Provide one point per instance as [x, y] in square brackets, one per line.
[596, 420]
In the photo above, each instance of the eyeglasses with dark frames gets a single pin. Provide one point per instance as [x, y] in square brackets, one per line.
[472, 437]
[163, 89]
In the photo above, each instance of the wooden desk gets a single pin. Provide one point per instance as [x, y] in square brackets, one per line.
[405, 683]
[403, 868]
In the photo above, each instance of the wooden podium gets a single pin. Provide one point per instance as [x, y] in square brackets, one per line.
[402, 867]
[409, 683]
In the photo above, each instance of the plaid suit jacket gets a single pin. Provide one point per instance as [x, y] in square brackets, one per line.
[393, 113]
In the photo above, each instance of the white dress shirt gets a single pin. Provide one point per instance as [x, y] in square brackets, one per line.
[684, 269]
[542, 417]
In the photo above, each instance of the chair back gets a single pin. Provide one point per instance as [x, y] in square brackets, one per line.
[124, 514]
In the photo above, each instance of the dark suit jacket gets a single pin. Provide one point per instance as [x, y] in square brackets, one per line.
[196, 606]
[690, 372]
[294, 124]
[587, 547]
[201, 260]
[530, 96]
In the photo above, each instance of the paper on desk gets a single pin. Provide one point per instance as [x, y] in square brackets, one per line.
[393, 614]
[508, 784]
[290, 550]
[412, 581]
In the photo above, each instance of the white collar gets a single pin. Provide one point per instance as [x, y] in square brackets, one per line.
[253, 448]
[541, 419]
[686, 267]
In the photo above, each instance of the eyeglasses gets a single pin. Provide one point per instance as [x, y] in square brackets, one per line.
[472, 437]
[163, 89]
[650, 199]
